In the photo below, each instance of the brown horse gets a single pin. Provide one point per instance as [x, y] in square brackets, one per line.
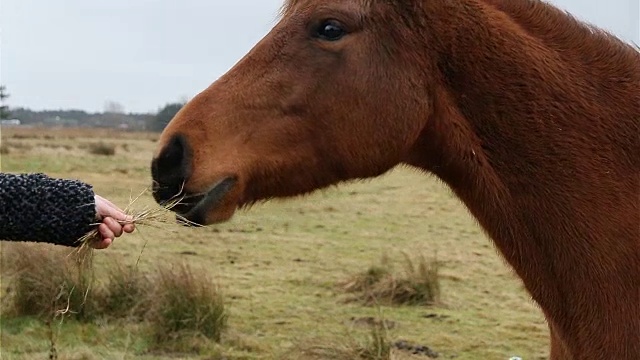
[530, 116]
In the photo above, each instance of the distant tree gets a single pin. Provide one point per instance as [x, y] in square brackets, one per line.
[113, 115]
[139, 121]
[4, 109]
[165, 115]
[113, 107]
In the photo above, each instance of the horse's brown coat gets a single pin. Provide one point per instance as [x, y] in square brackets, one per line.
[531, 117]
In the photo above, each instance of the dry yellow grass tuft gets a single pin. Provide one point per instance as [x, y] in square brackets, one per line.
[418, 285]
[126, 292]
[46, 282]
[102, 148]
[376, 346]
[187, 306]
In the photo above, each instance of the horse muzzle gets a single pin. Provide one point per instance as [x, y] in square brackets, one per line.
[171, 170]
[194, 210]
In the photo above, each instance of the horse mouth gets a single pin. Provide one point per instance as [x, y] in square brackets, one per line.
[194, 211]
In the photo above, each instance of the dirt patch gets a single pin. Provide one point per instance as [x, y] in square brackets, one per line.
[416, 349]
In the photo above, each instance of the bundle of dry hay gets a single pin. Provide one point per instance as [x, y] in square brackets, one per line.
[158, 216]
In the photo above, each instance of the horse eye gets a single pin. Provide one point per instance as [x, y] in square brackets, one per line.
[330, 30]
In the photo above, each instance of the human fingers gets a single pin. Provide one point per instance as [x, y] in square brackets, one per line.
[129, 228]
[105, 232]
[113, 225]
[101, 243]
[105, 208]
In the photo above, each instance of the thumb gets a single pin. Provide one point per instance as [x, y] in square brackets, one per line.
[105, 208]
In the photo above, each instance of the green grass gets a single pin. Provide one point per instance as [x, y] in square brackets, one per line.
[278, 265]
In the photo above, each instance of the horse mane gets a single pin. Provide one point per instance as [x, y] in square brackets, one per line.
[560, 30]
[559, 26]
[288, 5]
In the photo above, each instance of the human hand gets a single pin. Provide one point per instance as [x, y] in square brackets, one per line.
[113, 223]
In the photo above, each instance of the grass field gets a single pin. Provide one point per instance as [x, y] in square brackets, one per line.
[278, 264]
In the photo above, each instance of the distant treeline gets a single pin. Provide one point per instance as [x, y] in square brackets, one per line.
[81, 118]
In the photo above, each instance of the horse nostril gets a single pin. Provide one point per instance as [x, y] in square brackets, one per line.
[170, 169]
[170, 159]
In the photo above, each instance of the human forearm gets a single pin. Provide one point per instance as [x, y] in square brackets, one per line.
[35, 207]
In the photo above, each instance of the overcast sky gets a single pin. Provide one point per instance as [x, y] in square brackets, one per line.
[144, 53]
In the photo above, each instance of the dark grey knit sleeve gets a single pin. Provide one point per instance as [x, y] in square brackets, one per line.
[38, 208]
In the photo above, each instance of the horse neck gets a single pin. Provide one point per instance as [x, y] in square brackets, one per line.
[511, 135]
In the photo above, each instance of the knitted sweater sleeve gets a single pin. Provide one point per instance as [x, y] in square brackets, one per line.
[38, 208]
